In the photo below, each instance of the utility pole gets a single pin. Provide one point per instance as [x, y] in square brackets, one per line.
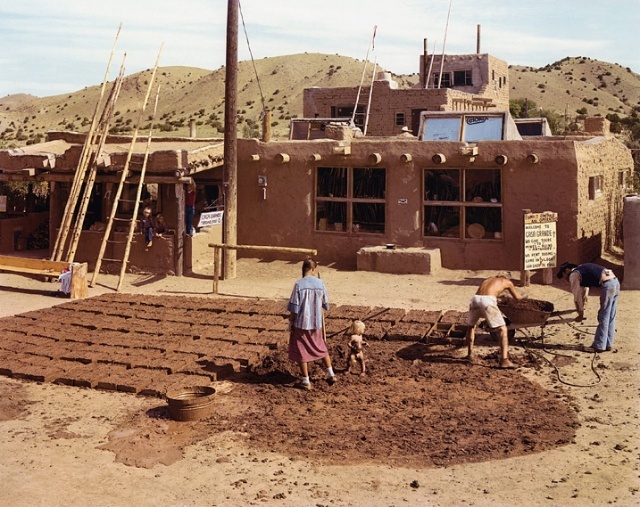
[230, 229]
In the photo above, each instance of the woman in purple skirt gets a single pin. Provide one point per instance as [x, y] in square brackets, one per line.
[306, 341]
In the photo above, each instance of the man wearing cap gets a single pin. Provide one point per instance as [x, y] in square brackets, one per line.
[592, 275]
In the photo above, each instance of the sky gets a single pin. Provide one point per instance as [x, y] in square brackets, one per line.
[51, 47]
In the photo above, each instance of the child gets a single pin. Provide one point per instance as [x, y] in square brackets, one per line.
[356, 345]
[147, 226]
[161, 225]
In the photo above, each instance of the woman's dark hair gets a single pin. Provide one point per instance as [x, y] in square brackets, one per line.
[308, 265]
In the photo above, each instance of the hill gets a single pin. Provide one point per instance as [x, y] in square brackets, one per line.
[186, 92]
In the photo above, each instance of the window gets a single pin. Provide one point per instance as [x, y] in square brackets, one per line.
[463, 203]
[347, 112]
[351, 199]
[462, 78]
[446, 80]
[595, 187]
[400, 120]
[467, 128]
[622, 179]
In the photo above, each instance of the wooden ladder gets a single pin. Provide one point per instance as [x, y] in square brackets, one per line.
[107, 114]
[124, 180]
[79, 175]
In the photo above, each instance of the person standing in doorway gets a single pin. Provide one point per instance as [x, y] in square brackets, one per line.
[190, 207]
[592, 275]
[306, 340]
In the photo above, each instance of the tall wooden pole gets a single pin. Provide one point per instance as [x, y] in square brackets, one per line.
[231, 142]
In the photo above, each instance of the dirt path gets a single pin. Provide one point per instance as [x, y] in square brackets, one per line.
[422, 428]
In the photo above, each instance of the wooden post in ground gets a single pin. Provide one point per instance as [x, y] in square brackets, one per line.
[220, 247]
[230, 225]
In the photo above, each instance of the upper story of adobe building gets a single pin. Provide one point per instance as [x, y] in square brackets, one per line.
[472, 82]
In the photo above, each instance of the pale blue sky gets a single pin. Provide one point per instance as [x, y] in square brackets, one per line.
[50, 47]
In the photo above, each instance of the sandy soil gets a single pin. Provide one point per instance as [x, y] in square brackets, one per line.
[422, 428]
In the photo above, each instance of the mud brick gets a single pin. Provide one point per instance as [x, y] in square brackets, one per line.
[228, 319]
[239, 335]
[220, 368]
[422, 316]
[7, 362]
[116, 357]
[271, 339]
[376, 330]
[455, 317]
[139, 379]
[408, 331]
[35, 372]
[198, 370]
[74, 374]
[159, 385]
[392, 315]
[108, 376]
[15, 345]
[214, 332]
[246, 354]
[269, 307]
[337, 326]
[114, 339]
[191, 346]
[39, 350]
[155, 386]
[150, 360]
[351, 312]
[265, 322]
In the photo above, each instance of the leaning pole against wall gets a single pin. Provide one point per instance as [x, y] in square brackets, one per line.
[631, 228]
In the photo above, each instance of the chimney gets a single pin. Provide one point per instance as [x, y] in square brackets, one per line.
[478, 41]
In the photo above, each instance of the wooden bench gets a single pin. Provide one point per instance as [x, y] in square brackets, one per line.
[27, 266]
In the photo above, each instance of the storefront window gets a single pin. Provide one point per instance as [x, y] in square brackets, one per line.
[480, 210]
[350, 200]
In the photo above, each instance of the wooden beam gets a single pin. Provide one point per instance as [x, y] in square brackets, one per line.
[258, 248]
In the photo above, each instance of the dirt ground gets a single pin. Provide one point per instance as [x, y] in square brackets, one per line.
[423, 427]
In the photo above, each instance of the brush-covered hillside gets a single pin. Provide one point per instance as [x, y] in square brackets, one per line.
[571, 86]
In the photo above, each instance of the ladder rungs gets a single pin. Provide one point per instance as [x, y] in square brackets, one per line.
[117, 242]
[130, 200]
[111, 260]
[122, 219]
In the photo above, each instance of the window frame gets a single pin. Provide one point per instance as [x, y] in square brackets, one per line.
[463, 205]
[595, 187]
[350, 201]
[466, 75]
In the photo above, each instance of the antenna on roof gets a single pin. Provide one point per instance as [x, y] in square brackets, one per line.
[366, 60]
[444, 43]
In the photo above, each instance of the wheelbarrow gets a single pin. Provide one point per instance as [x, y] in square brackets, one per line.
[523, 313]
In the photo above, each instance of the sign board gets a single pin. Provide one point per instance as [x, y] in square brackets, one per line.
[3, 203]
[540, 245]
[210, 218]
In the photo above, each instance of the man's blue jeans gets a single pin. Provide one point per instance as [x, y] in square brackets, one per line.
[190, 212]
[607, 314]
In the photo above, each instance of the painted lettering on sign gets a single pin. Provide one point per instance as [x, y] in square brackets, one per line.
[540, 244]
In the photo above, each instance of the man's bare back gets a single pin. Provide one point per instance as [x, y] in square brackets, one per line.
[495, 286]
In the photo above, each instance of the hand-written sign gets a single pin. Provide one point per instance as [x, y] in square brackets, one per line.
[540, 247]
[210, 218]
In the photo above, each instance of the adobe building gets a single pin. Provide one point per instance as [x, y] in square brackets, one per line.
[450, 192]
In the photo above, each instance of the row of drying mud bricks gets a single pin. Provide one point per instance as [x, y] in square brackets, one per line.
[136, 357]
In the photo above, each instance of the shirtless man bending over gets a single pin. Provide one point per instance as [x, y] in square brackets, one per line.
[485, 305]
